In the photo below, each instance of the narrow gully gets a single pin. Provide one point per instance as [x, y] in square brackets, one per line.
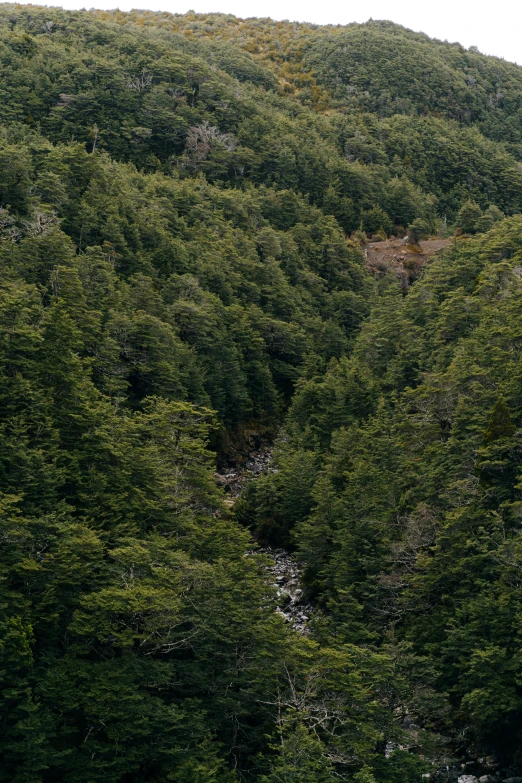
[284, 570]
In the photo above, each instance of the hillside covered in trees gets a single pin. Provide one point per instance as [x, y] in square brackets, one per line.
[185, 203]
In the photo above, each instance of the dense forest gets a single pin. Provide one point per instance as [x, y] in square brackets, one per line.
[185, 207]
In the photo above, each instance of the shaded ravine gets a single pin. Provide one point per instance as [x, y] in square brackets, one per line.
[285, 571]
[452, 763]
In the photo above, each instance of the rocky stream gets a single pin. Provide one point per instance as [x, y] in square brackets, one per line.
[283, 568]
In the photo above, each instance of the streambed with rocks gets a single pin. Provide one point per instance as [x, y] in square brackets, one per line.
[283, 568]
[286, 578]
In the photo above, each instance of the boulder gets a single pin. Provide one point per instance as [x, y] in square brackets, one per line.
[488, 779]
[468, 779]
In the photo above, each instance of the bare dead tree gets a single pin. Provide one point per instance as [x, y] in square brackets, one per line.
[202, 138]
[141, 81]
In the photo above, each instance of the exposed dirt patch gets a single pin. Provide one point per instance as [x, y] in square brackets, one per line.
[406, 261]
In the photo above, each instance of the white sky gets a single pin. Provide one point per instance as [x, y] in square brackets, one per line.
[494, 26]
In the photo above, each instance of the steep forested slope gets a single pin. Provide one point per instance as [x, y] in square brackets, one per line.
[409, 510]
[176, 200]
[378, 67]
[137, 87]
